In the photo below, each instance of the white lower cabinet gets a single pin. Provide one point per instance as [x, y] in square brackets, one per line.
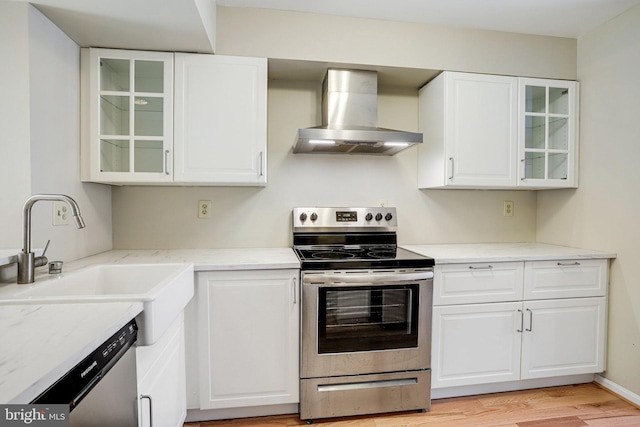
[248, 338]
[487, 343]
[510, 340]
[475, 344]
[563, 337]
[161, 380]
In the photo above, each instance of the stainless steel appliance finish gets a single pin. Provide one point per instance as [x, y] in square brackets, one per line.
[366, 314]
[101, 390]
[350, 119]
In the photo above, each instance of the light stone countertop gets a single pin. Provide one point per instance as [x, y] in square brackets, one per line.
[205, 259]
[494, 252]
[45, 341]
[40, 343]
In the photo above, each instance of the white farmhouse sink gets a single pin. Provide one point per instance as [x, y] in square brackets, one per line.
[163, 289]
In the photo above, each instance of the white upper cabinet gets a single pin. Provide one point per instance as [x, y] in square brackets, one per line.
[548, 150]
[220, 119]
[469, 124]
[127, 123]
[498, 132]
[214, 132]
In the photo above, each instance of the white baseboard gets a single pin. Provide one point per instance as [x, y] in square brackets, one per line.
[247, 412]
[471, 390]
[618, 389]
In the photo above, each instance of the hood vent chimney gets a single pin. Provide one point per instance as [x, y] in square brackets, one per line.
[350, 119]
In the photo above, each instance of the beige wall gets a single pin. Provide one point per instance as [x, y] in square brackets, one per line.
[15, 150]
[157, 217]
[604, 212]
[312, 37]
[40, 137]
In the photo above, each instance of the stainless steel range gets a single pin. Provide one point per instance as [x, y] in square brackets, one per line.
[366, 314]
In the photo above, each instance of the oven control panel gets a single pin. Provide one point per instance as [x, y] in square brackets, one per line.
[320, 218]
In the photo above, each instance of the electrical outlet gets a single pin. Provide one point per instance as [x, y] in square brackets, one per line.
[507, 208]
[60, 213]
[204, 208]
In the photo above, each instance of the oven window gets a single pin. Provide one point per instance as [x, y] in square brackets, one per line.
[367, 318]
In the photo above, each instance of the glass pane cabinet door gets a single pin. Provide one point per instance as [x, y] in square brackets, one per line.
[548, 136]
[128, 115]
[135, 117]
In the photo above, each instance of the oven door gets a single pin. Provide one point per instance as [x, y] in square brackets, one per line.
[361, 322]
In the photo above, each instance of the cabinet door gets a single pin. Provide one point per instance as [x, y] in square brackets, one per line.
[220, 120]
[162, 389]
[548, 149]
[475, 344]
[474, 145]
[563, 337]
[249, 338]
[127, 108]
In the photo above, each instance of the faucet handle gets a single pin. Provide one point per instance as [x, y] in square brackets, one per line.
[46, 247]
[41, 260]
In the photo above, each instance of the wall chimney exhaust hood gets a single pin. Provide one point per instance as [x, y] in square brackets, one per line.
[350, 119]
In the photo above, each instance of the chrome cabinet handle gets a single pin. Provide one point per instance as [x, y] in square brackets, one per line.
[261, 163]
[145, 396]
[530, 321]
[521, 320]
[568, 263]
[166, 162]
[488, 267]
[293, 288]
[452, 165]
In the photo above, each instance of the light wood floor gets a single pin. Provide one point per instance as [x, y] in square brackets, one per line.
[566, 406]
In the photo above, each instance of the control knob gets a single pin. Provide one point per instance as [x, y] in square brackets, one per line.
[303, 217]
[388, 217]
[368, 217]
[314, 216]
[378, 216]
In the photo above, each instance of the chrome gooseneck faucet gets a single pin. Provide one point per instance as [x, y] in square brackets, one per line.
[27, 260]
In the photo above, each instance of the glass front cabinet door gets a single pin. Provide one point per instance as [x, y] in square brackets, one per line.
[548, 148]
[127, 119]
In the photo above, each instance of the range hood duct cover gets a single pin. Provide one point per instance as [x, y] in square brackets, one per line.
[350, 119]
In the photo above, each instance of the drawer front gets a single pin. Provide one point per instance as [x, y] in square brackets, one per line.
[565, 279]
[477, 283]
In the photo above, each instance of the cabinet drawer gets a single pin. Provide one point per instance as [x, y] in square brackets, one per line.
[477, 283]
[565, 279]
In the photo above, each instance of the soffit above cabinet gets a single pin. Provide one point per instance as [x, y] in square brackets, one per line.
[285, 69]
[170, 25]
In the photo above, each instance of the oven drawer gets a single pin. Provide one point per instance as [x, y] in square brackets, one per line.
[365, 394]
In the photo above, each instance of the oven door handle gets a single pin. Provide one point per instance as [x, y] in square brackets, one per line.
[367, 278]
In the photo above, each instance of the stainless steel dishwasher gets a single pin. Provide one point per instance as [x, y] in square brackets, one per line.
[101, 390]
